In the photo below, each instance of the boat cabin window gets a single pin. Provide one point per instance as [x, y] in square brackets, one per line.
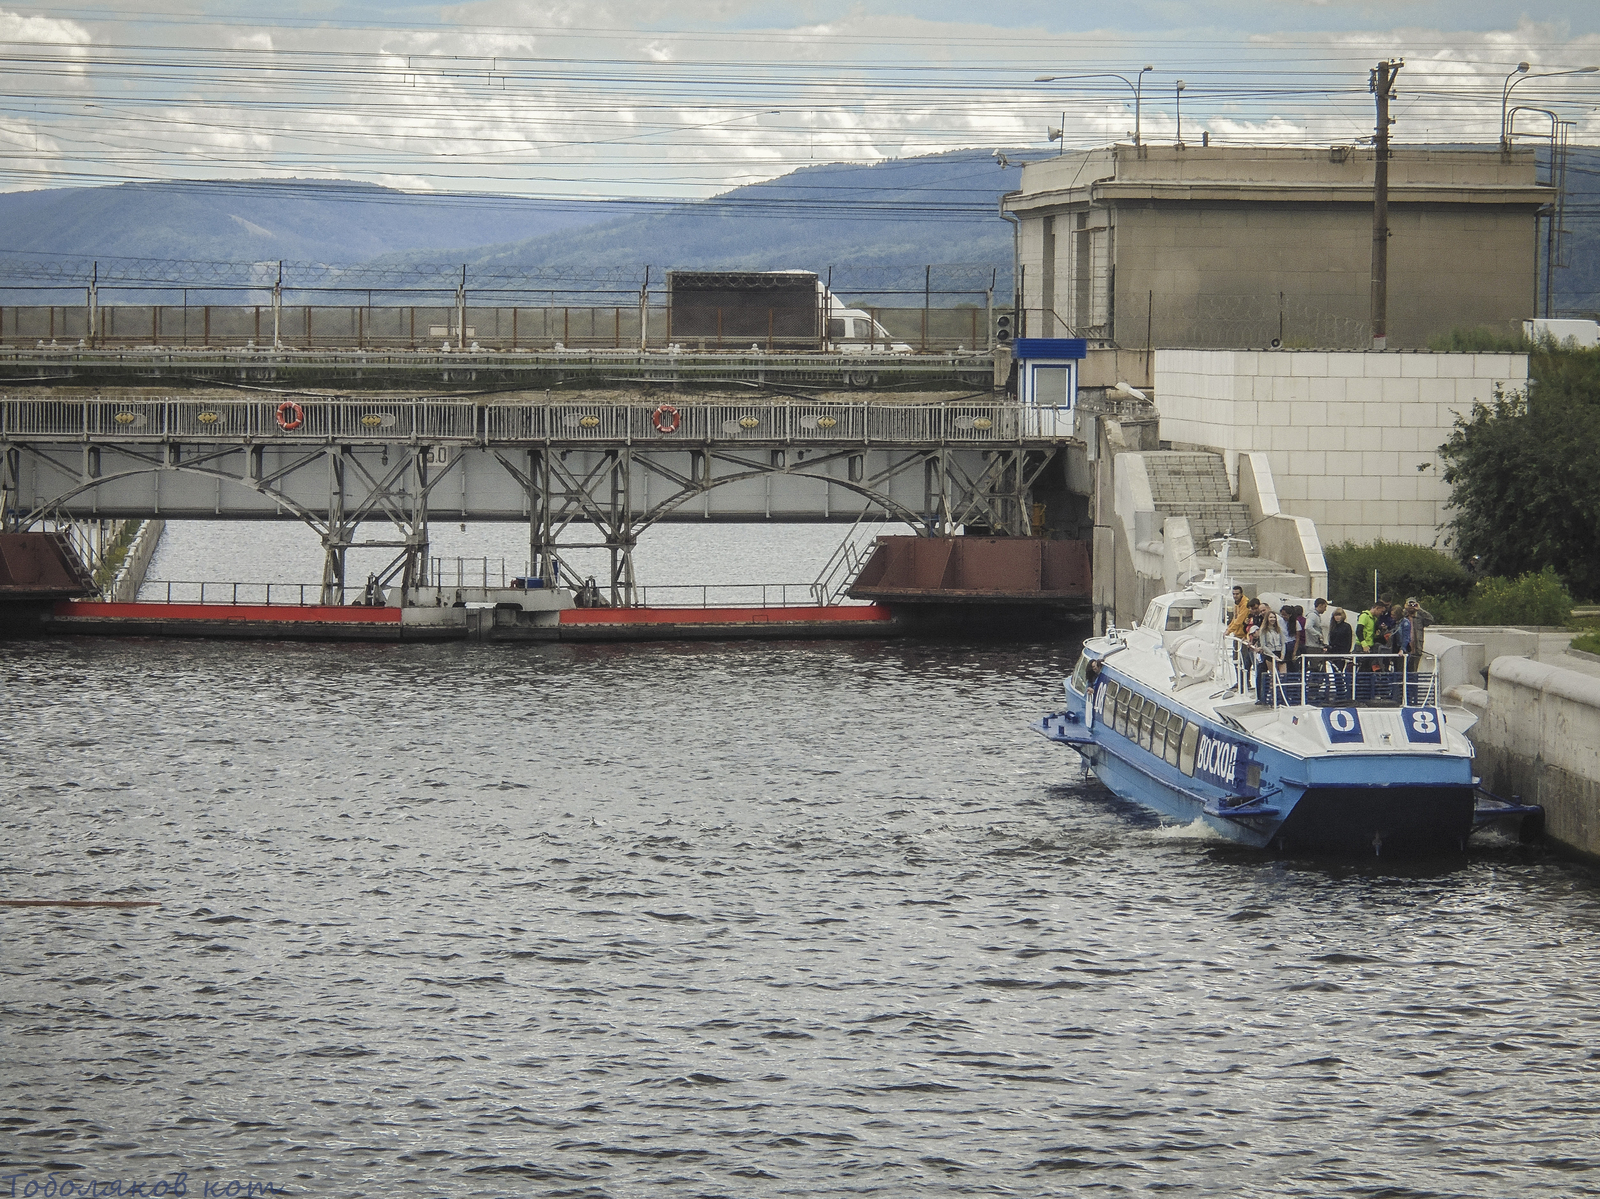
[1158, 738]
[1080, 676]
[1183, 613]
[1191, 740]
[1154, 616]
[1175, 731]
[1124, 702]
[1147, 718]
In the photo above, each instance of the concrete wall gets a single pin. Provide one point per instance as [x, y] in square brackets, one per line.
[1352, 437]
[1540, 738]
[136, 564]
[1228, 246]
[1211, 274]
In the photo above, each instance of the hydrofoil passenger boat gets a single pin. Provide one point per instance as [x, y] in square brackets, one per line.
[1343, 754]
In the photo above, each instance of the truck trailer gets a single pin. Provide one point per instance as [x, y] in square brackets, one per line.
[769, 310]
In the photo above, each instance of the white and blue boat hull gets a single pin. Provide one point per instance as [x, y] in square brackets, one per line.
[1251, 793]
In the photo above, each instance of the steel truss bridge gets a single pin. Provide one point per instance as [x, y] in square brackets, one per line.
[605, 471]
[493, 370]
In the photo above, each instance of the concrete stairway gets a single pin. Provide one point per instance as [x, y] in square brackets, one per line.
[1167, 506]
[1196, 485]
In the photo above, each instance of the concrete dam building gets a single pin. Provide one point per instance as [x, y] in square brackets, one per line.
[1233, 247]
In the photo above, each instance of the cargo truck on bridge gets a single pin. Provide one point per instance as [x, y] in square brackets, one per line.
[772, 310]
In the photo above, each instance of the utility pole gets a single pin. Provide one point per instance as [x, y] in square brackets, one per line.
[461, 311]
[1382, 84]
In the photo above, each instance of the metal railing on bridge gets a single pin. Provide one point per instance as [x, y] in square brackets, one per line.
[302, 595]
[303, 419]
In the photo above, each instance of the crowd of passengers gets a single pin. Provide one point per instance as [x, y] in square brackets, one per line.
[1274, 641]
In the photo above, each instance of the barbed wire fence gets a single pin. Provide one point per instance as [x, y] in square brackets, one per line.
[126, 301]
[44, 279]
[1258, 321]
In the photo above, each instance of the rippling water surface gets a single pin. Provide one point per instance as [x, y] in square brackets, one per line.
[728, 920]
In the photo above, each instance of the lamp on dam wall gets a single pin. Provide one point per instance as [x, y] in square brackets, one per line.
[1512, 82]
[1136, 86]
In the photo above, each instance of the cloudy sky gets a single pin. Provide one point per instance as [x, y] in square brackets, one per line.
[609, 98]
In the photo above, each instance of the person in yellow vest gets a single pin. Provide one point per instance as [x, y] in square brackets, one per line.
[1240, 624]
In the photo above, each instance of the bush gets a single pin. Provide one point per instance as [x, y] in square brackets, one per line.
[1480, 341]
[1589, 643]
[1403, 570]
[1532, 599]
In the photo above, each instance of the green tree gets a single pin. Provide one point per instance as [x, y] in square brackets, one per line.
[1524, 472]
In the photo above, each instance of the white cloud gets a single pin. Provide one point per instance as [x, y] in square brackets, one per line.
[587, 99]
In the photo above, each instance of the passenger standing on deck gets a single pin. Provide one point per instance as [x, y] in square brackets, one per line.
[1341, 640]
[1388, 617]
[1366, 625]
[1290, 625]
[1317, 628]
[1239, 624]
[1368, 628]
[1272, 640]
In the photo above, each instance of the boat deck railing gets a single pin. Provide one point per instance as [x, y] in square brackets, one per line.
[1359, 680]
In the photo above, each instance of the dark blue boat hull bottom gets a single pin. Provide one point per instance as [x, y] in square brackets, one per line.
[1383, 821]
[1389, 822]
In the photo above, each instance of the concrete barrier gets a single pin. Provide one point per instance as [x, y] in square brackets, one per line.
[1540, 738]
[1464, 652]
[130, 577]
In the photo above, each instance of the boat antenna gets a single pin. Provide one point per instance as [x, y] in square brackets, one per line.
[1223, 544]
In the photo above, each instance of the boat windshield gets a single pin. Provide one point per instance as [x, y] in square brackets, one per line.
[1184, 613]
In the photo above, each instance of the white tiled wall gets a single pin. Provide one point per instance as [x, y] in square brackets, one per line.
[1353, 437]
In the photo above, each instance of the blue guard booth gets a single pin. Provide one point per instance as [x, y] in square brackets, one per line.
[1047, 370]
[1047, 379]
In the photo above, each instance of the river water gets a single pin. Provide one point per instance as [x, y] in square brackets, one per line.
[802, 919]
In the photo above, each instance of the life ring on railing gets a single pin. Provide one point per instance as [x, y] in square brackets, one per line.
[290, 416]
[666, 419]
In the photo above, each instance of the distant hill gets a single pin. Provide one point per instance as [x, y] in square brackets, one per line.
[1577, 286]
[876, 225]
[864, 219]
[268, 219]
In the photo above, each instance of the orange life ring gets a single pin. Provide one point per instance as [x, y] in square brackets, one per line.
[290, 416]
[665, 418]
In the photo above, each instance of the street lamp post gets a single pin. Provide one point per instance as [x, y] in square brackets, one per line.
[1137, 96]
[1177, 103]
[1510, 85]
[1136, 88]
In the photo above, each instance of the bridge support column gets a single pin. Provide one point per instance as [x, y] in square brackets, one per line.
[336, 540]
[11, 508]
[542, 557]
[620, 537]
[416, 566]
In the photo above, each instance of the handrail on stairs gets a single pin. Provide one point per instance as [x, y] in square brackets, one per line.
[842, 567]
